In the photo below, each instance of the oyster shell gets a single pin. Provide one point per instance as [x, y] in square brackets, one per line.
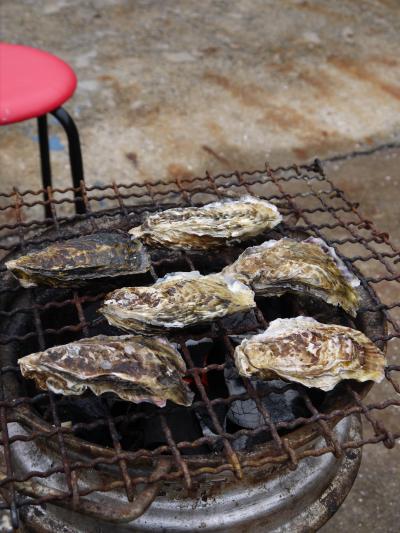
[71, 262]
[176, 301]
[287, 265]
[318, 355]
[210, 226]
[137, 369]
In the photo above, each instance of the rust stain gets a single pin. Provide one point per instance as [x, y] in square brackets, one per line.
[210, 50]
[106, 77]
[320, 82]
[301, 153]
[387, 61]
[177, 171]
[313, 7]
[215, 129]
[314, 140]
[356, 70]
[145, 113]
[125, 94]
[248, 94]
[132, 156]
[282, 68]
[286, 117]
[129, 92]
[390, 4]
[320, 145]
[282, 116]
[218, 157]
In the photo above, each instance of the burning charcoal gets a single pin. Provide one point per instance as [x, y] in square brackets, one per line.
[176, 301]
[245, 413]
[314, 354]
[73, 262]
[210, 226]
[137, 369]
[287, 265]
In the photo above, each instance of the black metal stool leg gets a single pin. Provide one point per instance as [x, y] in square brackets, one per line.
[75, 155]
[44, 159]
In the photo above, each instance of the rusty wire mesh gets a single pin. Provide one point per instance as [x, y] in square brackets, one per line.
[310, 203]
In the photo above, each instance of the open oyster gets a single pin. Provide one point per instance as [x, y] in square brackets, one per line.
[175, 301]
[287, 265]
[137, 369]
[318, 355]
[210, 226]
[68, 263]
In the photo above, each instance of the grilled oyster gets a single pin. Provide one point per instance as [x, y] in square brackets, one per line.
[175, 301]
[304, 350]
[71, 262]
[210, 226]
[137, 369]
[287, 265]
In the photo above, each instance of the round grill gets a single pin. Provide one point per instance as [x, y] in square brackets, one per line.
[132, 448]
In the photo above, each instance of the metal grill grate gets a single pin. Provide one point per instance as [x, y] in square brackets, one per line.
[30, 320]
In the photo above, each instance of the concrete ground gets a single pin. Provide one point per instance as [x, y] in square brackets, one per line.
[174, 88]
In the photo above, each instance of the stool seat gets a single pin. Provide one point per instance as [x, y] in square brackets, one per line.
[32, 83]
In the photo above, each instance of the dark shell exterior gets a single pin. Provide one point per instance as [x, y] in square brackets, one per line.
[71, 263]
[137, 369]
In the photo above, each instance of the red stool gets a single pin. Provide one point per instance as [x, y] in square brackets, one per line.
[32, 84]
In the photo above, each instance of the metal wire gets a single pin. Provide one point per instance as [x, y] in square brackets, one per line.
[310, 202]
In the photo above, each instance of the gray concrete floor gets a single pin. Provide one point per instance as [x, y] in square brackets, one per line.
[174, 88]
[372, 505]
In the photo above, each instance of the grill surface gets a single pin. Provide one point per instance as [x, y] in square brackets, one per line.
[82, 434]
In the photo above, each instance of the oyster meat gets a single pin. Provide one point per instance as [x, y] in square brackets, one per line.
[287, 265]
[318, 355]
[176, 301]
[210, 226]
[72, 262]
[137, 369]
